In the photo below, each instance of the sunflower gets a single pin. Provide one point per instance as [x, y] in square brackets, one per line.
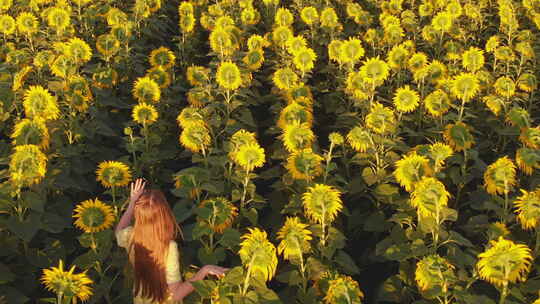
[283, 17]
[336, 138]
[397, 57]
[31, 132]
[527, 160]
[224, 21]
[436, 70]
[254, 59]
[304, 164]
[458, 136]
[257, 42]
[160, 76]
[351, 51]
[258, 254]
[297, 136]
[429, 196]
[295, 112]
[411, 169]
[67, 283]
[329, 18]
[437, 103]
[107, 45]
[116, 17]
[197, 75]
[439, 152]
[78, 50]
[442, 22]
[93, 216]
[500, 176]
[79, 85]
[162, 57]
[104, 77]
[195, 137]
[309, 15]
[58, 18]
[147, 90]
[530, 137]
[190, 115]
[518, 117]
[434, 271]
[63, 67]
[334, 48]
[186, 23]
[281, 35]
[113, 174]
[492, 43]
[239, 139]
[505, 86]
[294, 239]
[145, 114]
[528, 208]
[343, 289]
[43, 59]
[527, 82]
[405, 99]
[374, 70]
[27, 23]
[381, 119]
[473, 59]
[249, 156]
[7, 25]
[504, 262]
[505, 54]
[250, 16]
[304, 59]
[27, 165]
[285, 78]
[417, 61]
[322, 203]
[221, 213]
[228, 75]
[40, 104]
[20, 77]
[5, 4]
[360, 139]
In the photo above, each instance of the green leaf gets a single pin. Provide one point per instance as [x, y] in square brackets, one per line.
[13, 296]
[386, 190]
[201, 230]
[204, 288]
[230, 238]
[376, 222]
[234, 276]
[33, 201]
[5, 274]
[24, 230]
[348, 265]
[54, 223]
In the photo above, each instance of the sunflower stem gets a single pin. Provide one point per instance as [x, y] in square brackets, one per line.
[328, 159]
[246, 181]
[113, 195]
[248, 275]
[504, 293]
[537, 244]
[59, 297]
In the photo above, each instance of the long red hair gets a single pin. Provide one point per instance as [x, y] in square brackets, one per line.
[155, 226]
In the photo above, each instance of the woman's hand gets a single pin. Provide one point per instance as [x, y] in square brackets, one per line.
[137, 189]
[214, 270]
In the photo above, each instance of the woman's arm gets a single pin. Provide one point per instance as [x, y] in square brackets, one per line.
[137, 189]
[181, 289]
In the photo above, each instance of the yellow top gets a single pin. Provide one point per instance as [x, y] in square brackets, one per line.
[172, 270]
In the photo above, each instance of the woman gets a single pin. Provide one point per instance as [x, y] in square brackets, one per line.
[152, 248]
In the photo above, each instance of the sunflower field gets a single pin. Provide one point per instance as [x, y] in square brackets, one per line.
[326, 151]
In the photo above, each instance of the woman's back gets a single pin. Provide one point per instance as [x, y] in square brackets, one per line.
[124, 238]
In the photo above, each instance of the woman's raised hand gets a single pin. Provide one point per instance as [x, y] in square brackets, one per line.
[137, 189]
[215, 270]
